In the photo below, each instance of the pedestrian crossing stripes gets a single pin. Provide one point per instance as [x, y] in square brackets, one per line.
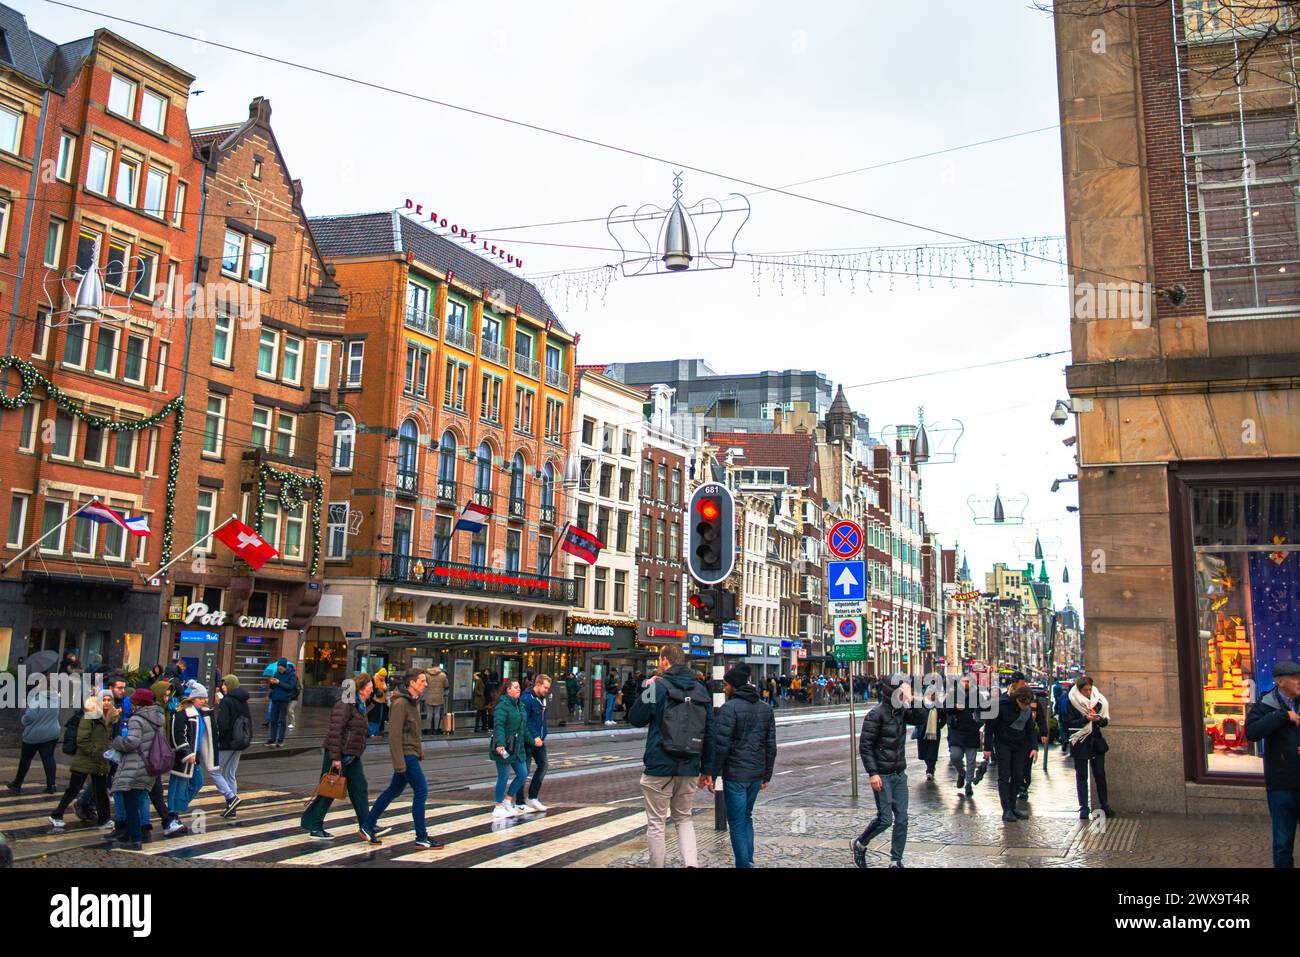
[471, 835]
[25, 816]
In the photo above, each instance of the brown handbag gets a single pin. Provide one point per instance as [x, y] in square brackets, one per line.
[333, 785]
[448, 723]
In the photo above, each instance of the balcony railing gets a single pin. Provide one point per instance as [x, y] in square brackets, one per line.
[516, 507]
[459, 336]
[548, 515]
[526, 365]
[447, 490]
[460, 577]
[408, 483]
[482, 496]
[558, 378]
[417, 318]
[494, 352]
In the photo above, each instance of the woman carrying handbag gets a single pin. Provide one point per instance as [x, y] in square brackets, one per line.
[341, 770]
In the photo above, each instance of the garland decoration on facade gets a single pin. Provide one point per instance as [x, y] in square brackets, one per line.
[32, 377]
[294, 490]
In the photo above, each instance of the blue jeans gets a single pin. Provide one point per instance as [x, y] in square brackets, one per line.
[279, 721]
[891, 810]
[516, 786]
[1284, 808]
[414, 776]
[609, 707]
[739, 796]
[136, 809]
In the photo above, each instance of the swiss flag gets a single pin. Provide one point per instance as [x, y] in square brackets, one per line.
[246, 543]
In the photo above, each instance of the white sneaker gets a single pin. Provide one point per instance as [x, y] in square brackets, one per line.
[57, 822]
[536, 805]
[174, 826]
[503, 810]
[608, 723]
[517, 810]
[290, 727]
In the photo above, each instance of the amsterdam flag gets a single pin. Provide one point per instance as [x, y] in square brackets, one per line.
[581, 544]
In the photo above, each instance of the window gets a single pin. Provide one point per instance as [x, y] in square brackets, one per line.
[67, 156]
[645, 534]
[232, 254]
[27, 429]
[355, 352]
[677, 486]
[643, 596]
[490, 398]
[260, 437]
[625, 485]
[336, 531]
[54, 514]
[115, 537]
[663, 482]
[624, 524]
[647, 477]
[659, 600]
[483, 468]
[606, 480]
[417, 305]
[128, 175]
[417, 370]
[408, 444]
[54, 243]
[599, 600]
[259, 263]
[456, 312]
[270, 529]
[523, 343]
[607, 439]
[442, 537]
[153, 111]
[544, 547]
[178, 212]
[205, 517]
[121, 96]
[580, 584]
[137, 348]
[146, 267]
[523, 410]
[214, 426]
[620, 591]
[17, 519]
[268, 343]
[324, 360]
[41, 335]
[124, 451]
[64, 428]
[11, 125]
[447, 458]
[155, 192]
[602, 524]
[554, 423]
[294, 520]
[513, 548]
[222, 335]
[629, 443]
[291, 368]
[1247, 174]
[106, 350]
[93, 447]
[589, 432]
[517, 479]
[661, 530]
[285, 427]
[86, 250]
[674, 542]
[674, 610]
[115, 273]
[97, 169]
[345, 436]
[548, 486]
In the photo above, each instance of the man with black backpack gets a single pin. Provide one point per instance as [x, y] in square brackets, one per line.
[234, 735]
[677, 712]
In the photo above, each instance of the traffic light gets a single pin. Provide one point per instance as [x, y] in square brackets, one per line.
[712, 547]
[714, 604]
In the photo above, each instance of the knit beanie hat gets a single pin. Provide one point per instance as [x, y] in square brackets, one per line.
[159, 690]
[195, 690]
[737, 677]
[142, 698]
[230, 681]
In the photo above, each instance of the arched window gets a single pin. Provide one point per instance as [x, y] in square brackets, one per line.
[548, 485]
[483, 468]
[517, 477]
[345, 437]
[447, 457]
[408, 443]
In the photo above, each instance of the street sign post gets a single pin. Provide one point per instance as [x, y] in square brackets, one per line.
[846, 581]
[849, 645]
[856, 608]
[844, 539]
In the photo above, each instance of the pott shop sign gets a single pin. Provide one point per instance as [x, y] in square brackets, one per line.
[199, 613]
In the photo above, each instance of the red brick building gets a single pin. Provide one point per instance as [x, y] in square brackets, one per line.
[97, 174]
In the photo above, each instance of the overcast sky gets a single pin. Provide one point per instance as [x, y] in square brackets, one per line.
[768, 92]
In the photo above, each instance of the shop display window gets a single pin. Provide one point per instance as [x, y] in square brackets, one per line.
[1247, 578]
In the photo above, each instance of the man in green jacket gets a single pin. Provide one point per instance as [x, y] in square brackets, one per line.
[672, 775]
[405, 742]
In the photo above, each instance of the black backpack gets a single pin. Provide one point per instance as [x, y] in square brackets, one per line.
[684, 721]
[70, 733]
[241, 732]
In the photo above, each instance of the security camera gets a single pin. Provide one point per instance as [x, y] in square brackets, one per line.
[1056, 485]
[1071, 508]
[1070, 441]
[1175, 294]
[1060, 414]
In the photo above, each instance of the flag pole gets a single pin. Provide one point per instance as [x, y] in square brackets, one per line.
[233, 517]
[555, 547]
[5, 566]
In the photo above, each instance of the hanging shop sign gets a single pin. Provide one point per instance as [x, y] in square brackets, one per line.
[460, 232]
[966, 596]
[621, 633]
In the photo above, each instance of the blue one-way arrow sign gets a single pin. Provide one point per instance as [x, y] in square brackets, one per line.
[847, 580]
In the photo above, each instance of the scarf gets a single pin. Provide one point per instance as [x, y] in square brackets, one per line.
[932, 725]
[1096, 702]
[1022, 718]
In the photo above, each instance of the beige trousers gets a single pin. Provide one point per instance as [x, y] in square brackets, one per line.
[664, 798]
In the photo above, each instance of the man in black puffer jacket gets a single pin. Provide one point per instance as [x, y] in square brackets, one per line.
[744, 753]
[964, 719]
[1014, 736]
[883, 749]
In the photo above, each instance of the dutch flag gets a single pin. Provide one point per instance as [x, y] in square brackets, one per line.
[136, 524]
[473, 518]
